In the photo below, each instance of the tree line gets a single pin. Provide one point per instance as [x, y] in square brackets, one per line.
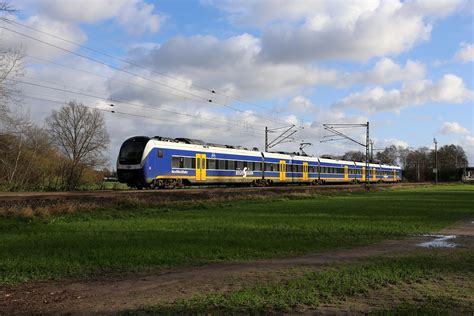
[418, 164]
[68, 151]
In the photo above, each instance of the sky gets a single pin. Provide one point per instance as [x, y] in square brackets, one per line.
[404, 66]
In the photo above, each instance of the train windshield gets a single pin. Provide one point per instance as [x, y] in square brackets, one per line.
[131, 151]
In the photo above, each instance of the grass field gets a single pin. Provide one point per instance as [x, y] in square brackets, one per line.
[115, 240]
[422, 274]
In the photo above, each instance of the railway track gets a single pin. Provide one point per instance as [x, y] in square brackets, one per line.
[188, 193]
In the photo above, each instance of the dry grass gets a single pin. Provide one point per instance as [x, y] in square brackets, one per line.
[48, 208]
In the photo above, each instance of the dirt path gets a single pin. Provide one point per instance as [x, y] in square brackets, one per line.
[108, 295]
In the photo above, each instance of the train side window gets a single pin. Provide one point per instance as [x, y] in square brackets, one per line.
[160, 153]
[230, 165]
[239, 165]
[221, 165]
[257, 166]
[175, 162]
[188, 163]
[211, 164]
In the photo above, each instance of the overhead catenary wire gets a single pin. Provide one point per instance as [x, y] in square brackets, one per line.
[105, 77]
[114, 111]
[127, 103]
[109, 79]
[213, 91]
[135, 74]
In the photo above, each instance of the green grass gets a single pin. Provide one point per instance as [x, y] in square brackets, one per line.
[135, 239]
[337, 285]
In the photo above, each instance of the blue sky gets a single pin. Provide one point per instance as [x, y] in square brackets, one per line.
[407, 67]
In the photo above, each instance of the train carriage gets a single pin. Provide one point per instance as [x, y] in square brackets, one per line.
[160, 162]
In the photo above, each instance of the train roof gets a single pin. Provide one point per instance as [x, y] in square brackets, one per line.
[181, 143]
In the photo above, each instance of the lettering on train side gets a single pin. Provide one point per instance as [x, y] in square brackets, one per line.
[244, 173]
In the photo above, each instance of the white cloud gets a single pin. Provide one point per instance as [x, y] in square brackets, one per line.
[300, 104]
[468, 145]
[232, 66]
[392, 141]
[465, 53]
[302, 31]
[386, 71]
[136, 16]
[11, 40]
[453, 128]
[450, 89]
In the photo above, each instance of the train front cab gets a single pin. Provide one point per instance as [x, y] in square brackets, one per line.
[130, 162]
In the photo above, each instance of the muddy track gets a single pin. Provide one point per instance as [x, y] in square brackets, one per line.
[111, 294]
[19, 196]
[45, 199]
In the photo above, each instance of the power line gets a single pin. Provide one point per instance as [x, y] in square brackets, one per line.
[213, 91]
[103, 63]
[103, 76]
[133, 114]
[120, 69]
[128, 103]
[111, 79]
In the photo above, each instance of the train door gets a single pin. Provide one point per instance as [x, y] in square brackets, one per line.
[363, 173]
[395, 175]
[305, 171]
[282, 170]
[201, 167]
[346, 173]
[374, 174]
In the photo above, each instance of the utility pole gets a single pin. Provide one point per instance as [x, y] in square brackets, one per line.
[367, 143]
[371, 150]
[338, 135]
[284, 137]
[418, 170]
[436, 160]
[266, 139]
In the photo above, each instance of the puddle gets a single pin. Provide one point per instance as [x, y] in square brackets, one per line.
[440, 241]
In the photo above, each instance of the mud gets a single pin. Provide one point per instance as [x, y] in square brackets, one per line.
[440, 241]
[113, 294]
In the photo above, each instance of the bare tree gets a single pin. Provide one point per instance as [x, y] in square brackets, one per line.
[80, 133]
[5, 6]
[353, 156]
[11, 66]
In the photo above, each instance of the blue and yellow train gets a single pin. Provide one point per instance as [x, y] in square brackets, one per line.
[161, 162]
